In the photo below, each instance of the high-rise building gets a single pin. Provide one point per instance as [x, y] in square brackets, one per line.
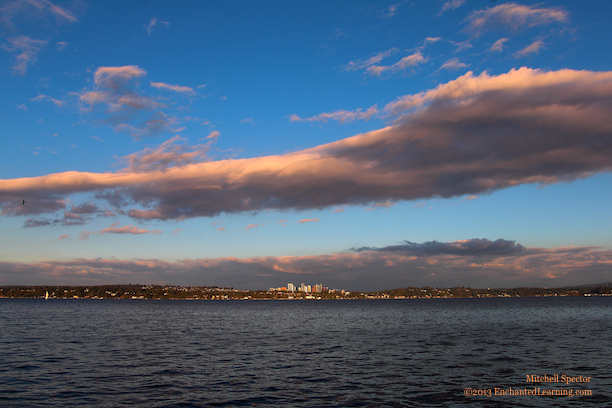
[319, 287]
[308, 288]
[290, 287]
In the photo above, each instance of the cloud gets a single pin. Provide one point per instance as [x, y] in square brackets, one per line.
[453, 64]
[33, 9]
[534, 48]
[36, 223]
[61, 45]
[170, 153]
[97, 138]
[464, 45]
[384, 204]
[221, 229]
[64, 236]
[498, 45]
[175, 88]
[25, 49]
[248, 227]
[43, 97]
[116, 95]
[150, 26]
[249, 120]
[213, 135]
[338, 210]
[471, 247]
[470, 136]
[128, 229]
[308, 220]
[362, 64]
[512, 16]
[341, 116]
[85, 234]
[389, 11]
[177, 231]
[76, 215]
[115, 89]
[404, 63]
[476, 263]
[157, 123]
[472, 197]
[452, 4]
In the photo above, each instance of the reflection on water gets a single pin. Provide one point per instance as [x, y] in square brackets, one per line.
[109, 353]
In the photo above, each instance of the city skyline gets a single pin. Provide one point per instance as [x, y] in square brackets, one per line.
[367, 145]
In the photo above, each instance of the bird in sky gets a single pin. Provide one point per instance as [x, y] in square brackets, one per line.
[23, 202]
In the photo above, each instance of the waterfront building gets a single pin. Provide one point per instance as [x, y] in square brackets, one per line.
[290, 287]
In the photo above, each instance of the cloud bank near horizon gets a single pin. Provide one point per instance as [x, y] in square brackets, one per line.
[474, 262]
[470, 136]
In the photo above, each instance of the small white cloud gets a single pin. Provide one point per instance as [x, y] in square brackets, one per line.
[406, 62]
[472, 197]
[43, 97]
[341, 116]
[499, 45]
[96, 138]
[26, 51]
[249, 120]
[61, 45]
[376, 206]
[514, 17]
[176, 88]
[213, 135]
[150, 26]
[464, 45]
[452, 4]
[362, 64]
[389, 11]
[453, 64]
[308, 220]
[248, 227]
[533, 48]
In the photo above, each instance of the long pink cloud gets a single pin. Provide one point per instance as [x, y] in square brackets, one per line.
[470, 136]
[474, 262]
[128, 229]
[514, 17]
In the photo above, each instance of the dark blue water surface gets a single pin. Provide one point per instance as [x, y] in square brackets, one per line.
[358, 353]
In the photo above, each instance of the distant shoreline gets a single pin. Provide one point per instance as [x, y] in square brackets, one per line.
[159, 292]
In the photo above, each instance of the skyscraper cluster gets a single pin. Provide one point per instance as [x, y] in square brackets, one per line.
[318, 288]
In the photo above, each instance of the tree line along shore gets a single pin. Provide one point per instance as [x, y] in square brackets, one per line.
[218, 293]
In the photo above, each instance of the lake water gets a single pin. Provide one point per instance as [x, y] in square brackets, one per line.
[358, 353]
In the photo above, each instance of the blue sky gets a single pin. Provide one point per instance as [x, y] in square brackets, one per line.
[364, 145]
